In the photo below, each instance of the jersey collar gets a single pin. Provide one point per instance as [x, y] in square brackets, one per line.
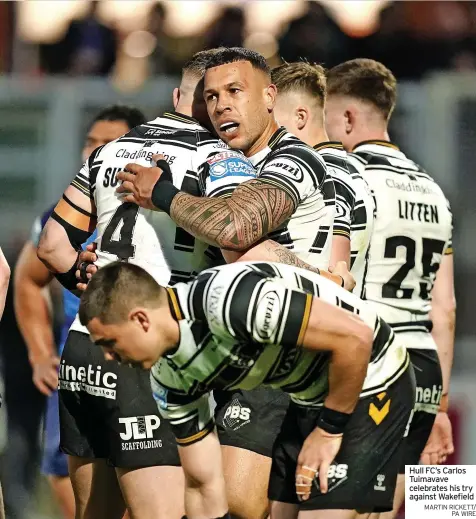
[176, 116]
[329, 144]
[272, 143]
[377, 142]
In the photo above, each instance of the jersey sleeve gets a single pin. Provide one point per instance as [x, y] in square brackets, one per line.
[221, 172]
[256, 309]
[301, 172]
[190, 415]
[345, 202]
[85, 180]
[449, 241]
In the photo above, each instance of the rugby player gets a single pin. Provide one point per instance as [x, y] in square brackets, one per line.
[4, 281]
[300, 108]
[34, 319]
[410, 273]
[286, 203]
[245, 325]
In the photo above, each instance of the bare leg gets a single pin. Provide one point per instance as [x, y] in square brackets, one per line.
[153, 492]
[96, 490]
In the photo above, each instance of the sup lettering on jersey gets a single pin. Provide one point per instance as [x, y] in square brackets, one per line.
[110, 179]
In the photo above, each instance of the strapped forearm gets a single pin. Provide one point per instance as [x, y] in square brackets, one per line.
[235, 223]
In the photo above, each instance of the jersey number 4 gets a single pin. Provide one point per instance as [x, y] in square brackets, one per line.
[117, 238]
[393, 288]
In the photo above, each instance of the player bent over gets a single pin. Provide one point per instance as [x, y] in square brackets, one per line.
[247, 325]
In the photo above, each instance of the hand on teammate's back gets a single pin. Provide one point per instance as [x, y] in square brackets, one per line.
[138, 183]
[440, 442]
[45, 374]
[86, 265]
[317, 453]
[342, 270]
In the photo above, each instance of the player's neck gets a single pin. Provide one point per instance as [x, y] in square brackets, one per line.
[314, 136]
[262, 141]
[184, 109]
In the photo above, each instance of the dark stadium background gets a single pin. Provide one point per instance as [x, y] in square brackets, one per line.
[52, 81]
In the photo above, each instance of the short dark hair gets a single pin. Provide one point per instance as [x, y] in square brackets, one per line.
[224, 55]
[197, 64]
[301, 76]
[367, 80]
[115, 289]
[129, 114]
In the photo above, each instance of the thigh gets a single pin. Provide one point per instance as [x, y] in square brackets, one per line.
[138, 436]
[250, 420]
[96, 490]
[364, 472]
[153, 492]
[246, 477]
[427, 401]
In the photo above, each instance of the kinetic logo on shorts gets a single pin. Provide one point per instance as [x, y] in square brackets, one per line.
[141, 429]
[428, 399]
[90, 379]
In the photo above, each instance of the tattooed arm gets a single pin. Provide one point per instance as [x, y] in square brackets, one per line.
[254, 209]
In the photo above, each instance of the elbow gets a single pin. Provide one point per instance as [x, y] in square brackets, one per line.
[235, 244]
[364, 339]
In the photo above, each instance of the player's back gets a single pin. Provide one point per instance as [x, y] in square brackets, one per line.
[412, 231]
[354, 208]
[150, 238]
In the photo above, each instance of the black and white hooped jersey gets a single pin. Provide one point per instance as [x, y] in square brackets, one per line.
[148, 238]
[354, 208]
[242, 326]
[413, 230]
[290, 164]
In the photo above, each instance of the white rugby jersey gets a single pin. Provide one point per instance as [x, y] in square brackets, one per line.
[147, 238]
[241, 326]
[297, 168]
[413, 229]
[354, 208]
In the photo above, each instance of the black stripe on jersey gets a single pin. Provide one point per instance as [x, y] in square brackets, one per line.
[241, 297]
[168, 142]
[190, 184]
[294, 323]
[383, 337]
[329, 191]
[196, 295]
[283, 237]
[320, 240]
[177, 116]
[307, 159]
[307, 285]
[266, 268]
[412, 326]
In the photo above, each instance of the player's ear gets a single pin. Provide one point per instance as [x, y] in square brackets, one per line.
[270, 94]
[302, 116]
[140, 317]
[176, 97]
[349, 121]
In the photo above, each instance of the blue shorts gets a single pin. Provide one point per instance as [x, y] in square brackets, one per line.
[54, 462]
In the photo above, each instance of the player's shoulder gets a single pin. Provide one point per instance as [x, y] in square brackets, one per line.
[286, 144]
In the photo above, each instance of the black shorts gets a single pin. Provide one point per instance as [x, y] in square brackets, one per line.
[107, 410]
[429, 386]
[366, 467]
[250, 420]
